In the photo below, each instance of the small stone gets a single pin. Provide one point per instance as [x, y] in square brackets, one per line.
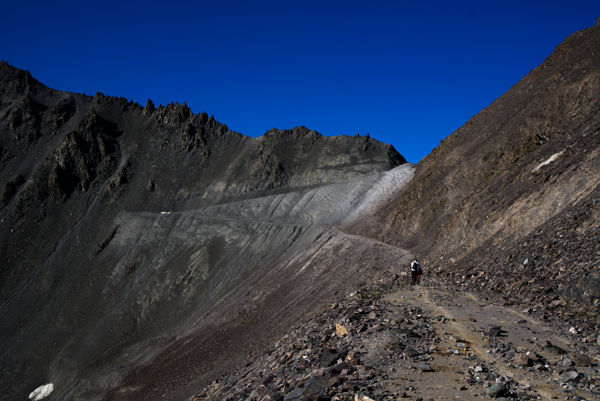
[329, 357]
[573, 330]
[581, 359]
[495, 331]
[340, 330]
[425, 367]
[352, 358]
[522, 359]
[568, 376]
[295, 394]
[333, 381]
[496, 390]
[478, 369]
[554, 348]
[411, 353]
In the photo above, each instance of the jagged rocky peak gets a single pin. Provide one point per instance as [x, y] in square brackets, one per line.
[14, 81]
[149, 108]
[306, 138]
[173, 113]
[296, 132]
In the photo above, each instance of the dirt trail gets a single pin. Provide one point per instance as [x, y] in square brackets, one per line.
[464, 355]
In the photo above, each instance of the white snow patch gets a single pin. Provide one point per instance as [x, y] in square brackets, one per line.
[41, 392]
[548, 161]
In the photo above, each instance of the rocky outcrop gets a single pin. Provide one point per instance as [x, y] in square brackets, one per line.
[87, 153]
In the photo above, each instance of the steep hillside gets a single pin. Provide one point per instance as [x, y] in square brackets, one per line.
[504, 214]
[509, 203]
[142, 249]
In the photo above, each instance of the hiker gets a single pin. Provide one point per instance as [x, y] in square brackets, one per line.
[415, 271]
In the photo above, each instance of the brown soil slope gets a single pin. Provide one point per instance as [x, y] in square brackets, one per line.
[487, 212]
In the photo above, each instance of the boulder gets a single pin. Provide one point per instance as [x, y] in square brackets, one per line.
[522, 359]
[568, 376]
[497, 390]
[581, 359]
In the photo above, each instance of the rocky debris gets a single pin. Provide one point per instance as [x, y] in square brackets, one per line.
[425, 367]
[556, 364]
[561, 279]
[315, 362]
[484, 225]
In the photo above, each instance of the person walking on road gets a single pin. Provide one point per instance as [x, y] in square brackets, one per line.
[415, 271]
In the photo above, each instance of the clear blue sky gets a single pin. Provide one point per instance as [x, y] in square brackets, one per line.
[407, 73]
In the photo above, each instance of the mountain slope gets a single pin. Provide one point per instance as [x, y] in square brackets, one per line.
[504, 214]
[509, 202]
[129, 233]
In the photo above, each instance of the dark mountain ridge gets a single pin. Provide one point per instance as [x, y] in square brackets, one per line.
[107, 221]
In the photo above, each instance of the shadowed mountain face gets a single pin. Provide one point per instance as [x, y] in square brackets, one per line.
[147, 249]
[510, 201]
